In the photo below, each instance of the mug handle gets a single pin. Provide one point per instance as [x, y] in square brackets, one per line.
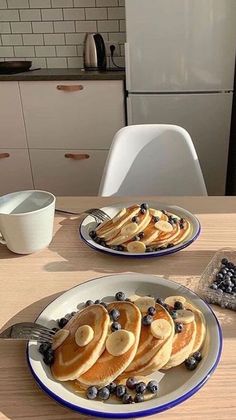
[2, 240]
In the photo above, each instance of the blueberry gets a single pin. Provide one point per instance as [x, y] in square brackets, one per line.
[153, 387]
[230, 274]
[104, 304]
[98, 302]
[191, 363]
[127, 399]
[140, 387]
[160, 301]
[120, 248]
[151, 311]
[138, 398]
[112, 387]
[131, 383]
[127, 300]
[229, 290]
[226, 278]
[173, 314]
[104, 393]
[136, 238]
[170, 245]
[178, 305]
[181, 220]
[156, 219]
[120, 296]
[55, 329]
[224, 261]
[103, 243]
[197, 356]
[98, 240]
[48, 357]
[62, 322]
[114, 314]
[144, 206]
[147, 320]
[44, 347]
[230, 265]
[120, 391]
[93, 234]
[181, 225]
[214, 286]
[163, 211]
[175, 220]
[92, 392]
[224, 271]
[141, 235]
[115, 326]
[135, 219]
[143, 211]
[219, 276]
[178, 327]
[89, 302]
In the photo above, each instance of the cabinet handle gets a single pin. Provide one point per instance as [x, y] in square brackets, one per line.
[77, 156]
[4, 155]
[70, 88]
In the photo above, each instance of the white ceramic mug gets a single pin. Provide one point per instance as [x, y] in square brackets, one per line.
[26, 220]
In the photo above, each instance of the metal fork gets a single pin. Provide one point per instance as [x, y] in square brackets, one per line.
[28, 331]
[98, 214]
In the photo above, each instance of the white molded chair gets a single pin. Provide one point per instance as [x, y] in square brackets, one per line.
[152, 159]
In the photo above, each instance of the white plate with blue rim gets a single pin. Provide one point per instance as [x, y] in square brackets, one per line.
[176, 385]
[89, 224]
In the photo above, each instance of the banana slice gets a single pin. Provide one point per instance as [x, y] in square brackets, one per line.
[129, 229]
[119, 342]
[84, 335]
[163, 226]
[59, 337]
[144, 302]
[156, 213]
[170, 300]
[136, 247]
[185, 316]
[118, 216]
[160, 328]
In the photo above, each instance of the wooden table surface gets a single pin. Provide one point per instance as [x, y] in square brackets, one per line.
[28, 283]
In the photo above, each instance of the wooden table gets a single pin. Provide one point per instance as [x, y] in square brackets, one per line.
[28, 283]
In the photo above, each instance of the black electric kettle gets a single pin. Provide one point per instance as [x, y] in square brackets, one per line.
[94, 52]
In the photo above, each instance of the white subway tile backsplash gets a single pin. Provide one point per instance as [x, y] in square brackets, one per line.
[30, 15]
[8, 15]
[108, 26]
[24, 51]
[42, 27]
[52, 14]
[6, 52]
[21, 27]
[51, 33]
[62, 3]
[5, 28]
[66, 26]
[96, 13]
[86, 26]
[74, 14]
[39, 3]
[54, 39]
[33, 39]
[17, 4]
[45, 51]
[57, 62]
[66, 51]
[12, 39]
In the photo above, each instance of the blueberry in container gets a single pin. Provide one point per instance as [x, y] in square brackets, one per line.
[217, 284]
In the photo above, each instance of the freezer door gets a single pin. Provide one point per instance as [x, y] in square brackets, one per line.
[205, 116]
[180, 45]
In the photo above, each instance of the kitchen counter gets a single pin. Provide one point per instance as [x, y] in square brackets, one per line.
[63, 74]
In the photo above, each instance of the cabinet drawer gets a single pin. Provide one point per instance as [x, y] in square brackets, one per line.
[15, 172]
[11, 118]
[61, 175]
[72, 114]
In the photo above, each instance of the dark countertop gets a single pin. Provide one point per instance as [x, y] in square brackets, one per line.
[63, 74]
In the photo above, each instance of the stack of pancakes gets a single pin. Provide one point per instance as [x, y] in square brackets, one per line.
[138, 229]
[85, 356]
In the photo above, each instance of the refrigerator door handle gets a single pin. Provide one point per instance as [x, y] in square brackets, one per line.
[127, 66]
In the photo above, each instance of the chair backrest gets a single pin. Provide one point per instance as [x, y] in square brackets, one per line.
[152, 159]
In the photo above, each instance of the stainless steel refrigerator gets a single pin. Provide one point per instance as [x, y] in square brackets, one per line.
[180, 60]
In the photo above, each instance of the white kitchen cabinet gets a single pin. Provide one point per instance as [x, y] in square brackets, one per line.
[78, 174]
[12, 129]
[15, 172]
[72, 114]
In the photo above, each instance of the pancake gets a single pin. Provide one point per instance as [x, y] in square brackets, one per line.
[108, 367]
[200, 327]
[72, 360]
[151, 350]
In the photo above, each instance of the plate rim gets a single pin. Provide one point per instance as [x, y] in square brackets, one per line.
[160, 253]
[142, 413]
